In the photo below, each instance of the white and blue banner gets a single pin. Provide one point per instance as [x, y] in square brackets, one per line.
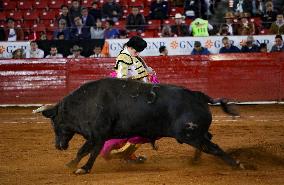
[7, 48]
[184, 45]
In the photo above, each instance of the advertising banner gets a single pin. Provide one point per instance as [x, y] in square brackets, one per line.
[7, 48]
[184, 45]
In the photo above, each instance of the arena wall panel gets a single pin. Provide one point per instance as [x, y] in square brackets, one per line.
[240, 77]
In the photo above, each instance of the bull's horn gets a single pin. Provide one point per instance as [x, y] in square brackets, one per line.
[43, 108]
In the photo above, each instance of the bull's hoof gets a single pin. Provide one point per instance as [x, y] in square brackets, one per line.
[137, 160]
[71, 165]
[80, 171]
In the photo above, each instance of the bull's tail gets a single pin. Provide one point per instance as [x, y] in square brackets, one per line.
[229, 108]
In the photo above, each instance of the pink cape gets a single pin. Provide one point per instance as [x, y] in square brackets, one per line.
[118, 143]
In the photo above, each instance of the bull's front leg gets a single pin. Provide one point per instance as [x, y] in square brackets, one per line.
[83, 151]
[94, 152]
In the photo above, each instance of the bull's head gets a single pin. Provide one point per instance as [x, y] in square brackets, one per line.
[63, 134]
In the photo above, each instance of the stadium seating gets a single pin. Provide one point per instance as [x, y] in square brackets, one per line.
[55, 4]
[24, 5]
[40, 4]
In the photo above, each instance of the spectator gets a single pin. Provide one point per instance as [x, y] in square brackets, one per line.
[278, 26]
[110, 32]
[62, 29]
[87, 19]
[79, 31]
[54, 53]
[13, 33]
[95, 11]
[42, 35]
[199, 50]
[98, 31]
[279, 45]
[228, 47]
[61, 36]
[123, 34]
[65, 16]
[166, 31]
[35, 52]
[228, 28]
[200, 27]
[2, 34]
[18, 54]
[269, 15]
[97, 52]
[241, 6]
[75, 11]
[263, 48]
[246, 27]
[135, 21]
[163, 51]
[196, 9]
[179, 28]
[250, 47]
[278, 5]
[159, 9]
[190, 8]
[76, 50]
[111, 10]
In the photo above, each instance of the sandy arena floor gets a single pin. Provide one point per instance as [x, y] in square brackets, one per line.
[28, 155]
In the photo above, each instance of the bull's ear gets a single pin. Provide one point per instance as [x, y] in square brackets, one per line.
[50, 113]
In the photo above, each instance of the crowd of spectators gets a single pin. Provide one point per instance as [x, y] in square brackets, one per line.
[107, 20]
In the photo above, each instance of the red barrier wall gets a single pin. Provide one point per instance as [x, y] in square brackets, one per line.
[241, 77]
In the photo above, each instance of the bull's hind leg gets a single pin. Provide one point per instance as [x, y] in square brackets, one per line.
[83, 151]
[94, 152]
[208, 147]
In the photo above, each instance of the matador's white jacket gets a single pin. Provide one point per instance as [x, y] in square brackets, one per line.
[131, 67]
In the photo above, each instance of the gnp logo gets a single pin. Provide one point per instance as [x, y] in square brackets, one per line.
[2, 49]
[208, 44]
[174, 44]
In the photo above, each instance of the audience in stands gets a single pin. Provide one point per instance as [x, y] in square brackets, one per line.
[190, 7]
[123, 34]
[18, 54]
[54, 53]
[279, 44]
[110, 32]
[135, 21]
[199, 50]
[2, 34]
[75, 11]
[61, 36]
[98, 32]
[277, 27]
[62, 29]
[228, 47]
[249, 46]
[278, 5]
[87, 19]
[97, 52]
[196, 9]
[76, 52]
[95, 11]
[229, 27]
[163, 51]
[35, 52]
[166, 31]
[245, 26]
[269, 15]
[13, 33]
[79, 31]
[42, 36]
[65, 16]
[263, 48]
[200, 28]
[159, 9]
[179, 28]
[111, 10]
[241, 6]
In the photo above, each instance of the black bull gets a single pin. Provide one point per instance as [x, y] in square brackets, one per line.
[116, 108]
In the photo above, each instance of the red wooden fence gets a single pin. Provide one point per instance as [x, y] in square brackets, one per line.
[241, 77]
